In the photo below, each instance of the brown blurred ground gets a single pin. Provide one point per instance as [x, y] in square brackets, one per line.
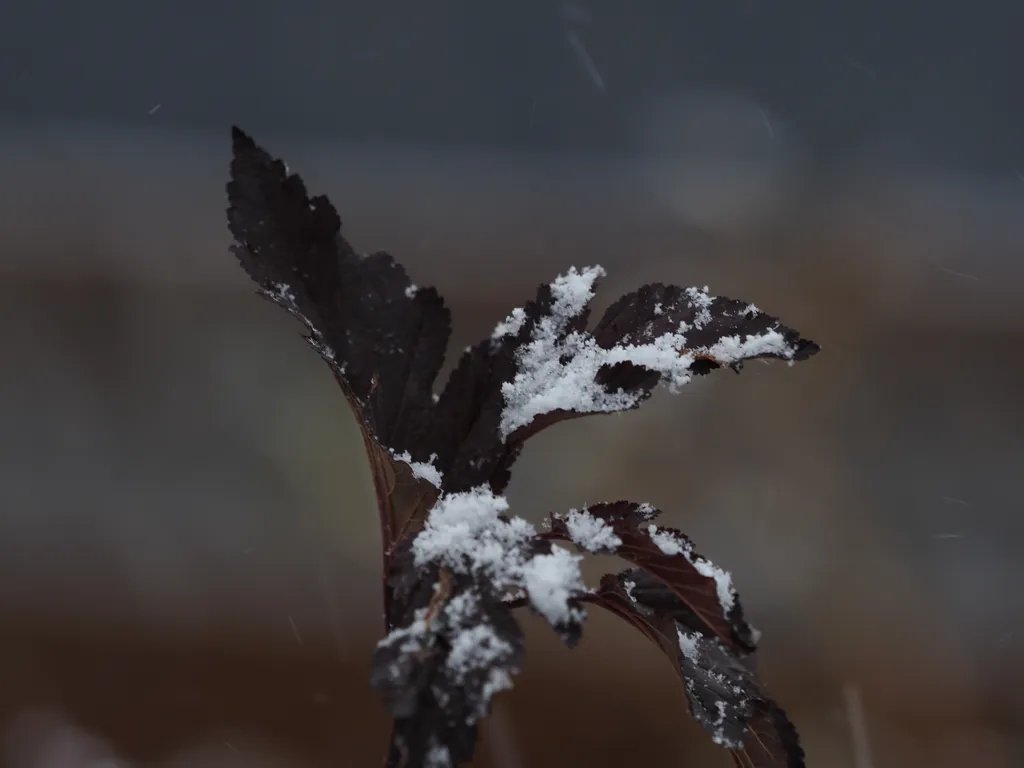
[188, 544]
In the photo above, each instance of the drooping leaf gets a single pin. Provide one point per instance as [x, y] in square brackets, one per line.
[700, 587]
[723, 693]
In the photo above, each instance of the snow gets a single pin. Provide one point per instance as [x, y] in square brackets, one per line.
[550, 581]
[476, 648]
[467, 528]
[689, 644]
[714, 723]
[421, 469]
[590, 533]
[411, 290]
[666, 542]
[629, 586]
[411, 636]
[284, 292]
[701, 299]
[729, 349]
[511, 325]
[468, 533]
[438, 756]
[554, 374]
[646, 510]
[671, 544]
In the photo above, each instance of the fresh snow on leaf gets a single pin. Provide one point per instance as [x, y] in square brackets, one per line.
[421, 469]
[732, 348]
[438, 757]
[663, 554]
[590, 533]
[550, 582]
[476, 647]
[560, 371]
[510, 325]
[688, 644]
[468, 533]
[668, 543]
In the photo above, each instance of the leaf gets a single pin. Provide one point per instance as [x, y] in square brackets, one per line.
[702, 589]
[468, 418]
[542, 366]
[439, 671]
[456, 642]
[724, 694]
[383, 338]
[718, 331]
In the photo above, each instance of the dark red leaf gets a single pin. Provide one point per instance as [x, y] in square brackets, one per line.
[627, 529]
[724, 694]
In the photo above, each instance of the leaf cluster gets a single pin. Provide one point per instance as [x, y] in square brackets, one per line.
[457, 565]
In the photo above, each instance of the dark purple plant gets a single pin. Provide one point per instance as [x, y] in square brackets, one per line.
[456, 564]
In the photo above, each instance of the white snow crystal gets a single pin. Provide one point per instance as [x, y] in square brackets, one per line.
[476, 647]
[646, 510]
[550, 580]
[729, 349]
[629, 586]
[284, 292]
[689, 644]
[412, 636]
[467, 528]
[701, 299]
[438, 756]
[411, 290]
[510, 325]
[590, 533]
[421, 469]
[465, 531]
[670, 544]
[666, 542]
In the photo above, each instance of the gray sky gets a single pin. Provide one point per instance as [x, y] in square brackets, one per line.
[937, 78]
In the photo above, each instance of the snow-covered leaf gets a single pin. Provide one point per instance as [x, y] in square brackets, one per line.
[455, 642]
[627, 529]
[723, 693]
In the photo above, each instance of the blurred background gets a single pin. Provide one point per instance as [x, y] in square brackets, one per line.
[188, 540]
